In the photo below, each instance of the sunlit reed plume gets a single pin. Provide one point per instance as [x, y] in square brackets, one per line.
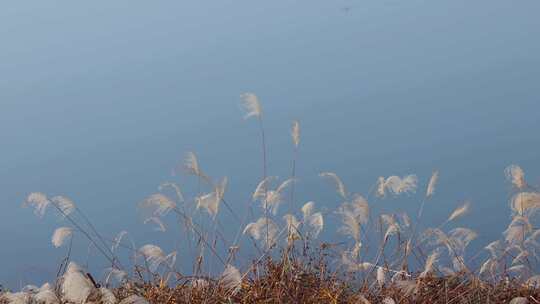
[153, 256]
[263, 230]
[107, 297]
[46, 295]
[66, 205]
[160, 226]
[459, 212]
[60, 235]
[292, 227]
[158, 204]
[251, 105]
[525, 203]
[516, 176]
[231, 279]
[76, 287]
[397, 185]
[176, 188]
[340, 187]
[39, 202]
[191, 165]
[381, 276]
[353, 215]
[430, 263]
[432, 183]
[211, 201]
[313, 221]
[295, 133]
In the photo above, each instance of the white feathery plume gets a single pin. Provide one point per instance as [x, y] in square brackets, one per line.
[460, 211]
[435, 237]
[516, 176]
[292, 226]
[355, 252]
[231, 279]
[459, 239]
[307, 209]
[388, 219]
[211, 201]
[251, 105]
[160, 226]
[76, 287]
[313, 221]
[432, 183]
[525, 203]
[339, 184]
[153, 255]
[516, 231]
[39, 201]
[66, 205]
[381, 276]
[134, 299]
[220, 190]
[274, 198]
[430, 262]
[60, 235]
[295, 133]
[176, 188]
[353, 215]
[270, 198]
[519, 300]
[158, 204]
[46, 295]
[262, 228]
[381, 189]
[397, 185]
[191, 165]
[107, 297]
[262, 187]
[316, 223]
[284, 185]
[488, 265]
[392, 230]
[16, 297]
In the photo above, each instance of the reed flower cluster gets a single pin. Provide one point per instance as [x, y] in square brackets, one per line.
[380, 258]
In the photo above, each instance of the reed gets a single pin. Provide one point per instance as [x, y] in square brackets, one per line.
[380, 258]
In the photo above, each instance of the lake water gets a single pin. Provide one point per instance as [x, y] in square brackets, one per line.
[100, 100]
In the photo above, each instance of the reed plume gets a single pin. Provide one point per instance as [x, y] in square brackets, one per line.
[60, 235]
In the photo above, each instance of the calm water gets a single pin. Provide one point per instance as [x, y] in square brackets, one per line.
[99, 101]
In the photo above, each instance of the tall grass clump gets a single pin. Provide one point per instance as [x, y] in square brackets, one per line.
[276, 256]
